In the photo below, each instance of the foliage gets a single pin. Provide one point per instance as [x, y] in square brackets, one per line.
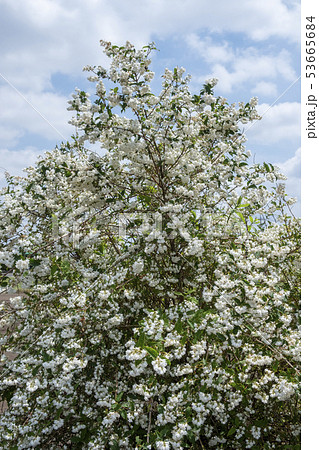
[160, 281]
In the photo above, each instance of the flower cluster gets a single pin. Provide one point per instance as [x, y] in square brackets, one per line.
[182, 332]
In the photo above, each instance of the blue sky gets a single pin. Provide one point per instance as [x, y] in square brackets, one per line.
[252, 47]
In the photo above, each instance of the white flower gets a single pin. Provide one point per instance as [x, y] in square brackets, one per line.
[207, 295]
[22, 264]
[135, 354]
[148, 76]
[283, 390]
[195, 247]
[212, 81]
[133, 103]
[100, 88]
[198, 349]
[163, 445]
[209, 99]
[159, 365]
[33, 385]
[138, 266]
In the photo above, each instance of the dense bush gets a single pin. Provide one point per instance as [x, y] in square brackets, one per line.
[160, 305]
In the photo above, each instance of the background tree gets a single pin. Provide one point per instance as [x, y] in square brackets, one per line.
[160, 279]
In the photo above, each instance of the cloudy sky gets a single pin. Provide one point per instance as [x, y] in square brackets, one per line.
[252, 47]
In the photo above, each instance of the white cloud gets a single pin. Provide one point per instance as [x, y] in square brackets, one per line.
[211, 53]
[265, 88]
[43, 36]
[47, 117]
[258, 20]
[14, 161]
[236, 66]
[10, 135]
[270, 19]
[279, 123]
[291, 168]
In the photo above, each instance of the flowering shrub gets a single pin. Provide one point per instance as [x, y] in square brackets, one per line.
[160, 305]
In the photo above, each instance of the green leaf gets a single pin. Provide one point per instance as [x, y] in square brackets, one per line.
[119, 396]
[261, 423]
[114, 446]
[184, 340]
[221, 337]
[141, 340]
[116, 406]
[231, 431]
[179, 326]
[46, 357]
[239, 214]
[54, 268]
[123, 413]
[28, 188]
[152, 351]
[35, 370]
